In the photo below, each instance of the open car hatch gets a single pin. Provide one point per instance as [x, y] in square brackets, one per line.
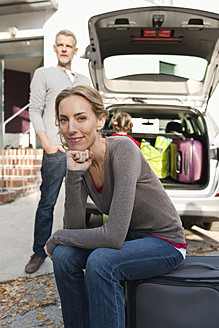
[155, 53]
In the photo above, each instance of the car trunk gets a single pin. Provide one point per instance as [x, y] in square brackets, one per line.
[155, 119]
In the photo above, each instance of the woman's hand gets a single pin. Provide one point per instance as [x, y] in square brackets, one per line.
[45, 249]
[79, 160]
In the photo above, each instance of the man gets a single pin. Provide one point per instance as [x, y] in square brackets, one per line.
[45, 85]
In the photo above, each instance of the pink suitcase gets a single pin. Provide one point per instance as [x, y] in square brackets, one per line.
[186, 160]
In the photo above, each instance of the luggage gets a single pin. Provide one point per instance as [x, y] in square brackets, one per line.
[185, 298]
[158, 157]
[186, 157]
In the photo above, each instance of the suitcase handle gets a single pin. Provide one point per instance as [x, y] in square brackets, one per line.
[200, 264]
[178, 162]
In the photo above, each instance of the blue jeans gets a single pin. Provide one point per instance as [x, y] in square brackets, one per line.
[53, 171]
[94, 298]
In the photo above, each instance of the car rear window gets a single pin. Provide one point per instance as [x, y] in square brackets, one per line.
[139, 67]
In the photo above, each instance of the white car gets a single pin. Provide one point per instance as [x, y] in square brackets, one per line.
[161, 64]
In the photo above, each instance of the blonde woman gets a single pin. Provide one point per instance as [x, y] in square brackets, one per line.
[139, 240]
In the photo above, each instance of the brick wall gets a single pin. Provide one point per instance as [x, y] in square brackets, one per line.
[21, 172]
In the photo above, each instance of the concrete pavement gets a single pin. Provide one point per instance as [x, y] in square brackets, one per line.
[16, 235]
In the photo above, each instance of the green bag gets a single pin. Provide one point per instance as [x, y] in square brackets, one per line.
[105, 218]
[158, 156]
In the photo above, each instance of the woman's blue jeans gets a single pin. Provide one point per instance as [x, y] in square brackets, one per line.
[94, 298]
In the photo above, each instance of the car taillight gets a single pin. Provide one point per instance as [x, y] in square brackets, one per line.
[149, 33]
[217, 195]
[165, 33]
[157, 35]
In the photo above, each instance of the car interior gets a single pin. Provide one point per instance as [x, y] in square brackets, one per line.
[169, 122]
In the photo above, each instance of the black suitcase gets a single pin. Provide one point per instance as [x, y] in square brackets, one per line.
[185, 298]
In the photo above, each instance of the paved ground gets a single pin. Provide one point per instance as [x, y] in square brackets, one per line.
[30, 301]
[16, 234]
[26, 301]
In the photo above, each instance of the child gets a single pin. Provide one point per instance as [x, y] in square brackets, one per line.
[122, 123]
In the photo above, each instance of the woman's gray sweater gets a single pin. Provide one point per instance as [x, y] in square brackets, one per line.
[132, 196]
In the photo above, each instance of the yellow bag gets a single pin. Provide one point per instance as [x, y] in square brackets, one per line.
[157, 156]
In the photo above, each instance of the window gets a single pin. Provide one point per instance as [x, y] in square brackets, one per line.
[134, 66]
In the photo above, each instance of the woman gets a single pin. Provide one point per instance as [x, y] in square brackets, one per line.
[143, 236]
[122, 123]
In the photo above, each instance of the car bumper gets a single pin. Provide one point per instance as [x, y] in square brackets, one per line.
[197, 207]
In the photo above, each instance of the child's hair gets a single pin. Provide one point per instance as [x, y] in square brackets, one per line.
[122, 122]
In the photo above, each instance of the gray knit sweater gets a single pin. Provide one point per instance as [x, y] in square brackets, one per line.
[47, 82]
[132, 196]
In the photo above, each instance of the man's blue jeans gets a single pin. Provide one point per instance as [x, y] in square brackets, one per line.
[53, 171]
[94, 298]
